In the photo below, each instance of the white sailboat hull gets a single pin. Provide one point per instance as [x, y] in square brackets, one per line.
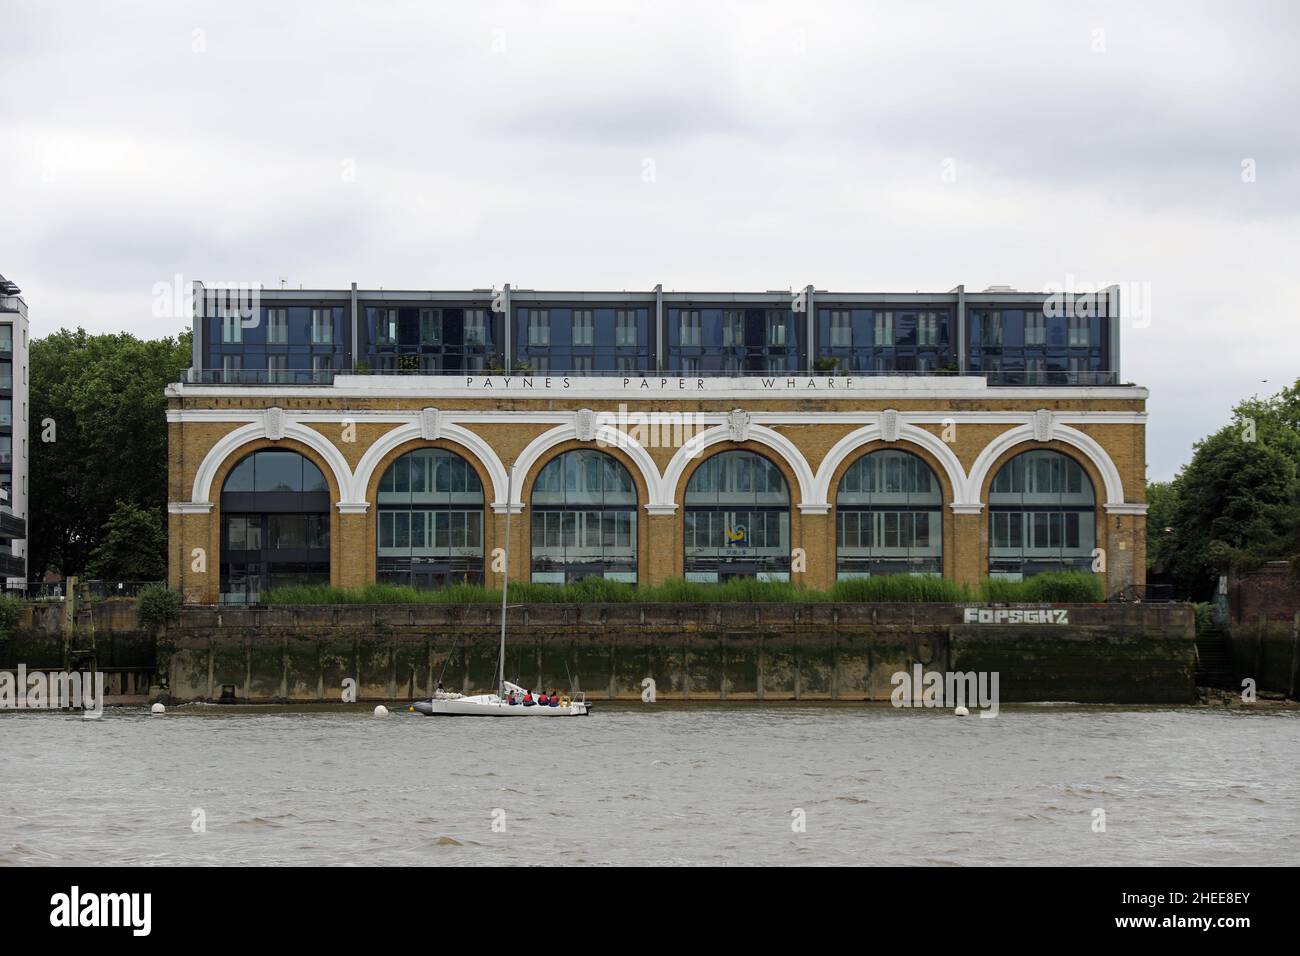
[490, 705]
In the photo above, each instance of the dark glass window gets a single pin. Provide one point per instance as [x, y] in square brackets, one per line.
[733, 341]
[888, 517]
[1042, 516]
[737, 519]
[1028, 346]
[559, 340]
[583, 519]
[430, 340]
[430, 521]
[864, 341]
[275, 525]
[281, 344]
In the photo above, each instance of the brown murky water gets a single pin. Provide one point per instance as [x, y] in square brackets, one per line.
[654, 784]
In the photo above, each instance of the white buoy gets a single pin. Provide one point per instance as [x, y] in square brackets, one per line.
[381, 711]
[961, 711]
[158, 709]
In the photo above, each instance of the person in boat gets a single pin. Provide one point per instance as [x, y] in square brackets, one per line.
[542, 699]
[510, 699]
[528, 698]
[555, 701]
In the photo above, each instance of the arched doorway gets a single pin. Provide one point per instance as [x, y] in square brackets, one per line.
[429, 521]
[1042, 516]
[583, 512]
[275, 525]
[888, 517]
[737, 519]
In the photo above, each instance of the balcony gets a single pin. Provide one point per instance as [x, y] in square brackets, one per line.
[12, 527]
[307, 377]
[271, 377]
[12, 566]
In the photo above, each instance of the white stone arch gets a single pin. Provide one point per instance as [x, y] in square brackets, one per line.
[787, 450]
[414, 431]
[851, 444]
[1113, 487]
[606, 435]
[229, 444]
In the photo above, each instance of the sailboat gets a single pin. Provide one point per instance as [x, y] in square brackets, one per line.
[510, 700]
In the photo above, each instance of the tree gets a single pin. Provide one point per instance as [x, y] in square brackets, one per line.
[1162, 498]
[133, 545]
[1237, 502]
[98, 440]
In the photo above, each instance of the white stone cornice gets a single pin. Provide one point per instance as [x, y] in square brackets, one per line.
[966, 507]
[661, 388]
[189, 507]
[813, 508]
[515, 507]
[352, 507]
[494, 416]
[1127, 508]
[661, 509]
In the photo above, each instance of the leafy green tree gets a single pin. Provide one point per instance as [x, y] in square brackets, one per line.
[1162, 498]
[98, 440]
[133, 545]
[1237, 502]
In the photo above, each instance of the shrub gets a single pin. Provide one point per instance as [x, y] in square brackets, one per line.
[1204, 615]
[11, 612]
[156, 606]
[900, 589]
[1052, 587]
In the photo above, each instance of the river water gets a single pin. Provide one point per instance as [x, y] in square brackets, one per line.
[653, 784]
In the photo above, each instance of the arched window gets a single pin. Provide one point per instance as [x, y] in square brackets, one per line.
[430, 521]
[737, 519]
[275, 525]
[1042, 516]
[584, 519]
[888, 517]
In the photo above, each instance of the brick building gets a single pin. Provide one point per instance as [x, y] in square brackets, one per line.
[355, 436]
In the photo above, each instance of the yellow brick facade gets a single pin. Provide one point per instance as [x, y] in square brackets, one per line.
[353, 432]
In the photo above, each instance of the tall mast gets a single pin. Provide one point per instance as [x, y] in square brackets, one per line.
[505, 583]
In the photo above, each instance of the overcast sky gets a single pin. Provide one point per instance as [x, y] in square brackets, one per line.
[709, 146]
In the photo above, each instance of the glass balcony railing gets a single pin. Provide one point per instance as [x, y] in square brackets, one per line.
[11, 526]
[296, 377]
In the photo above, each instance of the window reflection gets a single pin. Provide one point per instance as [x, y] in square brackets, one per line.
[737, 519]
[1042, 516]
[583, 519]
[429, 520]
[888, 517]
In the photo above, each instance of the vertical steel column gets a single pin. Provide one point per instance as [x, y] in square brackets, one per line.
[661, 347]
